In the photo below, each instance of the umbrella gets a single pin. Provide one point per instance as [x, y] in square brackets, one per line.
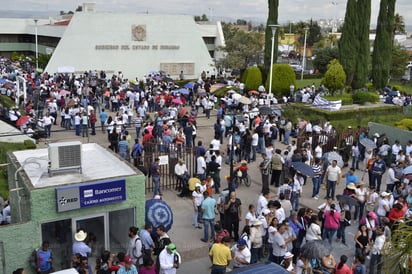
[167, 79]
[236, 96]
[276, 111]
[347, 200]
[3, 80]
[176, 101]
[201, 94]
[408, 177]
[254, 92]
[367, 143]
[303, 168]
[158, 78]
[181, 91]
[407, 170]
[153, 72]
[316, 249]
[265, 110]
[335, 156]
[189, 85]
[22, 120]
[260, 268]
[64, 93]
[158, 212]
[165, 111]
[244, 100]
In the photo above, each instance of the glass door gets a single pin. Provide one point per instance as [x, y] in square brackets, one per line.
[96, 227]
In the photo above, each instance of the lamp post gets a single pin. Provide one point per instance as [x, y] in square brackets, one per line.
[239, 118]
[304, 54]
[273, 27]
[37, 45]
[335, 24]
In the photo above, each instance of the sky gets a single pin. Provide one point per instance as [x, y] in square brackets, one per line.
[254, 10]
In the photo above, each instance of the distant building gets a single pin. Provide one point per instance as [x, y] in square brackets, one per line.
[132, 43]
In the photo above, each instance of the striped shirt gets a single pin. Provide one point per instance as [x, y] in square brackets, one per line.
[317, 168]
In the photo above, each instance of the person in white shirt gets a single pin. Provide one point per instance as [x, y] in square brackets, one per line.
[376, 256]
[201, 167]
[255, 140]
[296, 190]
[262, 202]
[318, 151]
[180, 170]
[169, 259]
[332, 178]
[241, 254]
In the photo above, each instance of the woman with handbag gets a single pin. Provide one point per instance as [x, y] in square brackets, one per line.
[361, 241]
[331, 225]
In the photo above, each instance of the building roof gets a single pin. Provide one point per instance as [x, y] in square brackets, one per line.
[97, 164]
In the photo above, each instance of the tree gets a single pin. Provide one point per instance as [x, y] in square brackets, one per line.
[242, 48]
[400, 57]
[354, 44]
[363, 52]
[253, 78]
[79, 8]
[283, 76]
[382, 47]
[202, 18]
[335, 76]
[272, 20]
[324, 57]
[398, 24]
[314, 34]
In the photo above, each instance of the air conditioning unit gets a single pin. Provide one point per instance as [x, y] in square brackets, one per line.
[65, 156]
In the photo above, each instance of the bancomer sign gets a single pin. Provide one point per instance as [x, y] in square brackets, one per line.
[88, 195]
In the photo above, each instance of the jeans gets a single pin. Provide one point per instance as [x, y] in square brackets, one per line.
[341, 232]
[206, 223]
[254, 153]
[355, 162]
[316, 186]
[207, 113]
[330, 189]
[156, 182]
[102, 125]
[375, 260]
[287, 137]
[85, 131]
[254, 252]
[218, 269]
[67, 123]
[359, 209]
[294, 200]
[195, 216]
[261, 144]
[376, 181]
[93, 126]
[329, 233]
[137, 132]
[47, 129]
[77, 128]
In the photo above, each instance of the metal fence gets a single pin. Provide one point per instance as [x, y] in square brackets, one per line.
[169, 156]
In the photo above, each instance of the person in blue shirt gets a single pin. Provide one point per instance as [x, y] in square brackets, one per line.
[146, 238]
[44, 259]
[103, 119]
[124, 148]
[208, 215]
[350, 176]
[128, 267]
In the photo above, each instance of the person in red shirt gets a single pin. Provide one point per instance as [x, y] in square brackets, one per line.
[147, 137]
[397, 213]
[341, 267]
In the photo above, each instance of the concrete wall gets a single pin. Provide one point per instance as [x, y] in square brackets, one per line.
[38, 205]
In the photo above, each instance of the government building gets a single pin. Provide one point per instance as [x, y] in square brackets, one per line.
[134, 44]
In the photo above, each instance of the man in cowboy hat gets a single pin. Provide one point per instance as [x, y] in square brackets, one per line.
[79, 246]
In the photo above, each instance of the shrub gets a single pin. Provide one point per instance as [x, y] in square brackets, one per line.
[361, 97]
[370, 87]
[335, 76]
[253, 78]
[222, 91]
[398, 88]
[283, 76]
[405, 124]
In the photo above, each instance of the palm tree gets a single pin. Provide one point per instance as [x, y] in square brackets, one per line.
[398, 24]
[397, 257]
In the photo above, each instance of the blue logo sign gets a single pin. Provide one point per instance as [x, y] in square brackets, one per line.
[88, 195]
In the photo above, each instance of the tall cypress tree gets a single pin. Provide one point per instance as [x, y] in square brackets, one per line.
[348, 43]
[382, 47]
[363, 52]
[272, 20]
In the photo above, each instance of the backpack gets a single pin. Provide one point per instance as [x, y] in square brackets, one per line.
[135, 252]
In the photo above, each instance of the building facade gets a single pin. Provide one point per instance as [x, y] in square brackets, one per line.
[104, 199]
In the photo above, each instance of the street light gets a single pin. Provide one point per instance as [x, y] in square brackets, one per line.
[37, 45]
[335, 23]
[273, 27]
[304, 54]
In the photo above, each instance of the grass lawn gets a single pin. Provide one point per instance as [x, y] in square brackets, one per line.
[405, 87]
[307, 82]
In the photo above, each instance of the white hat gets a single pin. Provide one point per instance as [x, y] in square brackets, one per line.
[288, 255]
[351, 186]
[198, 185]
[385, 194]
[265, 211]
[257, 222]
[376, 135]
[80, 236]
